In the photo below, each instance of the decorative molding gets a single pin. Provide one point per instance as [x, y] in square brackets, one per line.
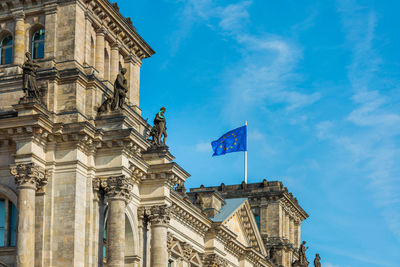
[186, 217]
[29, 174]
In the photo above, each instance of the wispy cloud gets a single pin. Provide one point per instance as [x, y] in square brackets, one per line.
[328, 264]
[203, 147]
[375, 149]
[265, 73]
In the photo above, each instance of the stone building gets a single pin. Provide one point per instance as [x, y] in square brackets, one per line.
[80, 187]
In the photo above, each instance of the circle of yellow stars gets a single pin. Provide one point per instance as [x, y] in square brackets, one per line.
[227, 148]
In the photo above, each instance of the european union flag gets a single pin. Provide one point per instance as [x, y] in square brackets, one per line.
[232, 141]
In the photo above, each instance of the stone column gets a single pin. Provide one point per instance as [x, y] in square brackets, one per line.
[114, 68]
[133, 76]
[297, 234]
[159, 218]
[19, 37]
[100, 33]
[118, 190]
[29, 177]
[291, 231]
[286, 226]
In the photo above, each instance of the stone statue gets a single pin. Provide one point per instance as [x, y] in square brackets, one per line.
[120, 90]
[317, 259]
[302, 253]
[302, 261]
[159, 129]
[106, 106]
[30, 87]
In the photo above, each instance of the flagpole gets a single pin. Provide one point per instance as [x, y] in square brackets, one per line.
[245, 158]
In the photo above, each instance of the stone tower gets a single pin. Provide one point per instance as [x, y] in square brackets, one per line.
[277, 212]
[57, 145]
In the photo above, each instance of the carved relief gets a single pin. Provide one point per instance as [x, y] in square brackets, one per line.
[214, 260]
[29, 174]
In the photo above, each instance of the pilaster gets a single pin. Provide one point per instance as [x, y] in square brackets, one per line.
[19, 37]
[114, 68]
[100, 33]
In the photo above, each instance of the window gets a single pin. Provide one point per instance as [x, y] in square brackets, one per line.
[8, 223]
[38, 44]
[6, 50]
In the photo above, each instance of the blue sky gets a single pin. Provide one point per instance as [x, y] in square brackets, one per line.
[318, 83]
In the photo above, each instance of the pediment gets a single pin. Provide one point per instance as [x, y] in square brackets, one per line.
[242, 222]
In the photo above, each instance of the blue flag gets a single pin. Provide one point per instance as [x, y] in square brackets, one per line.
[232, 141]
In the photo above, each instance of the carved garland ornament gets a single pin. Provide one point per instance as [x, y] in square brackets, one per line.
[214, 260]
[29, 174]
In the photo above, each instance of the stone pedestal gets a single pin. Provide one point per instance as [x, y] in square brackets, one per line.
[159, 218]
[118, 190]
[29, 177]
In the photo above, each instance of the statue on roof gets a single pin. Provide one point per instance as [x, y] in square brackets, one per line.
[302, 253]
[116, 102]
[29, 84]
[317, 259]
[302, 261]
[159, 129]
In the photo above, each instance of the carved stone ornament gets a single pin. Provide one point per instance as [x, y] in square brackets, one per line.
[213, 260]
[29, 174]
[160, 214]
[187, 250]
[116, 187]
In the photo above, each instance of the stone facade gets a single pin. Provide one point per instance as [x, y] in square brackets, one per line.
[88, 190]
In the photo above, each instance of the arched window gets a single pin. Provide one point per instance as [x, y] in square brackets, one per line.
[38, 44]
[8, 223]
[6, 50]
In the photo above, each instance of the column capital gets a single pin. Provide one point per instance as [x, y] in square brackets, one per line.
[117, 187]
[160, 215]
[116, 46]
[29, 175]
[18, 15]
[101, 31]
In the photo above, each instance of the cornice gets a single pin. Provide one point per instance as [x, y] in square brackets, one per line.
[104, 13]
[189, 215]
